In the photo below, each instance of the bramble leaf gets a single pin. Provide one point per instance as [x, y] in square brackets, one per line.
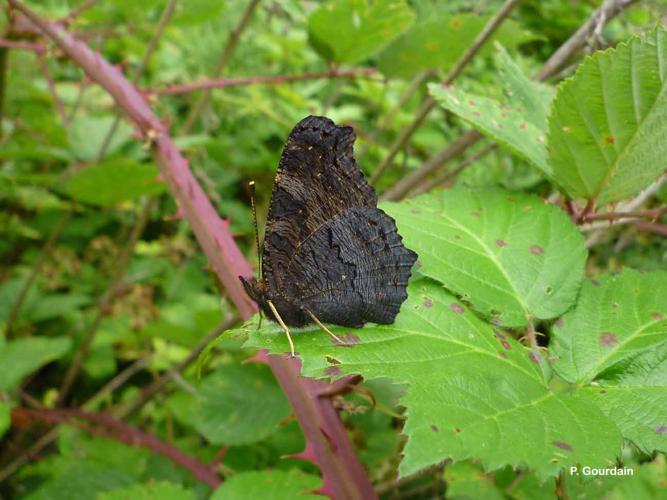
[473, 391]
[273, 484]
[609, 121]
[438, 43]
[511, 256]
[21, 357]
[349, 31]
[240, 404]
[617, 337]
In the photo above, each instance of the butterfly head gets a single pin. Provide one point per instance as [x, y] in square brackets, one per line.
[257, 289]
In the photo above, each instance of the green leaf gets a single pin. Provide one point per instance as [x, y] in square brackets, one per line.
[241, 404]
[511, 256]
[20, 357]
[609, 121]
[81, 482]
[162, 490]
[533, 98]
[438, 43]
[90, 132]
[616, 318]
[617, 337]
[349, 31]
[473, 390]
[466, 480]
[114, 181]
[269, 485]
[5, 416]
[504, 124]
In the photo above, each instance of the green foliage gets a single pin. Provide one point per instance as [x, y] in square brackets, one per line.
[438, 43]
[349, 31]
[5, 416]
[520, 124]
[457, 405]
[19, 358]
[608, 122]
[506, 358]
[240, 405]
[150, 491]
[269, 485]
[511, 256]
[615, 339]
[114, 181]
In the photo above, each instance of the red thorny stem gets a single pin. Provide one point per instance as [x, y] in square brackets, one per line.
[327, 443]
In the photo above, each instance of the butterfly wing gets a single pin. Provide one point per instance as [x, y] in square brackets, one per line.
[317, 179]
[351, 270]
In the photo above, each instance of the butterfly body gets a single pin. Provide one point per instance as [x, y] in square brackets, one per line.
[328, 250]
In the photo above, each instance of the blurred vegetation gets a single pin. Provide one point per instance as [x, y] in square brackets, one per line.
[89, 242]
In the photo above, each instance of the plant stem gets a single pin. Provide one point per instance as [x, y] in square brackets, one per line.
[222, 83]
[319, 420]
[607, 11]
[104, 302]
[225, 57]
[34, 270]
[429, 103]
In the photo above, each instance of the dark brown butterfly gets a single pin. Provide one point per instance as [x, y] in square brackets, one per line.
[330, 255]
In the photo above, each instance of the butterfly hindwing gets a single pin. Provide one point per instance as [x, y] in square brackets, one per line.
[352, 270]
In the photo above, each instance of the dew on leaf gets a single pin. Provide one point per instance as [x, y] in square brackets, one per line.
[567, 129]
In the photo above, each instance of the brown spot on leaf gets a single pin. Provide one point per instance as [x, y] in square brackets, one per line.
[552, 359]
[331, 360]
[458, 429]
[562, 445]
[415, 211]
[567, 129]
[475, 213]
[457, 308]
[610, 139]
[503, 340]
[608, 339]
[457, 236]
[595, 282]
[536, 250]
[349, 338]
[534, 357]
[522, 125]
[502, 354]
[657, 316]
[661, 429]
[501, 243]
[476, 113]
[602, 391]
[434, 428]
[472, 102]
[333, 371]
[428, 303]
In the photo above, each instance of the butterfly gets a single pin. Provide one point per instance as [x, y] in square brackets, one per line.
[330, 255]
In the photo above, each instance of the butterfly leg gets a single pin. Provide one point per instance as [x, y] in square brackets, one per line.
[283, 325]
[321, 325]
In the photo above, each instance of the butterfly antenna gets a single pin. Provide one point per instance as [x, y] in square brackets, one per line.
[251, 189]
